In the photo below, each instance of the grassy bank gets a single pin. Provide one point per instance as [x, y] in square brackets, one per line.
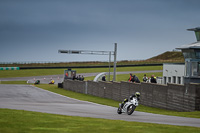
[13, 82]
[19, 121]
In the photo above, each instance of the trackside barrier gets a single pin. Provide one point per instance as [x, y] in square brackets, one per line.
[9, 68]
[170, 96]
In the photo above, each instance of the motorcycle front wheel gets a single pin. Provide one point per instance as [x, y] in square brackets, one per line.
[130, 109]
[119, 110]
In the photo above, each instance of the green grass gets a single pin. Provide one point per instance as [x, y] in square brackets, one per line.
[19, 121]
[13, 82]
[109, 102]
[41, 72]
[125, 77]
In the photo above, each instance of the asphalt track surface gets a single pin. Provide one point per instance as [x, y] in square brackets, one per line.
[31, 98]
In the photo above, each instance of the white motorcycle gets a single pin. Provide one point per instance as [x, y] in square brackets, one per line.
[129, 107]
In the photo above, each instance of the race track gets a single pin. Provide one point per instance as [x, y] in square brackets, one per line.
[31, 98]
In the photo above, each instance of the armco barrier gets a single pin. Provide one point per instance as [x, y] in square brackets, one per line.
[170, 96]
[9, 68]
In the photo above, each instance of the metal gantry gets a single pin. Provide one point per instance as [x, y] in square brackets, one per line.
[114, 53]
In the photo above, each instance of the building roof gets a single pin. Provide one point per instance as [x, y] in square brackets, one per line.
[195, 45]
[194, 29]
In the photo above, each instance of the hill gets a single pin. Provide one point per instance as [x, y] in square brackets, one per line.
[166, 57]
[169, 55]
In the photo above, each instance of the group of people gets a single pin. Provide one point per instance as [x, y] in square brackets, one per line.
[149, 80]
[135, 79]
[79, 77]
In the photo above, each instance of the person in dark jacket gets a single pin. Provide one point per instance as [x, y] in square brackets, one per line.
[135, 79]
[82, 78]
[130, 77]
[104, 78]
[79, 77]
[153, 79]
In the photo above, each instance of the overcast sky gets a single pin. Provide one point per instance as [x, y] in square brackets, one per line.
[34, 30]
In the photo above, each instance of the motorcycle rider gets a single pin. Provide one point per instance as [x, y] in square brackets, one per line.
[37, 82]
[52, 81]
[137, 95]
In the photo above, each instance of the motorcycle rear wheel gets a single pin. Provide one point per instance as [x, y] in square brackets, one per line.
[130, 109]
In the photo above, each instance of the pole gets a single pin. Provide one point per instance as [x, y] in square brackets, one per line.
[115, 62]
[97, 53]
[109, 65]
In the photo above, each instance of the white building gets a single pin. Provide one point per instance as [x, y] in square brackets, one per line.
[173, 73]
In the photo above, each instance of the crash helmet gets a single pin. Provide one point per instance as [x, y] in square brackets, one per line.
[137, 94]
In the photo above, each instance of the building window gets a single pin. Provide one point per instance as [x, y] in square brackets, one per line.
[198, 69]
[187, 69]
[174, 79]
[189, 54]
[197, 33]
[197, 55]
[194, 69]
[169, 79]
[165, 80]
[179, 80]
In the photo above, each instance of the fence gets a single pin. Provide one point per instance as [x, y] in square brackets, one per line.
[9, 68]
[170, 96]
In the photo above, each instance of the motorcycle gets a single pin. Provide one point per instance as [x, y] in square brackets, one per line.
[129, 107]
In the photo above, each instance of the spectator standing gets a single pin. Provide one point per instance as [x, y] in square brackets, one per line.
[82, 78]
[79, 77]
[104, 78]
[136, 79]
[130, 77]
[145, 79]
[74, 77]
[153, 79]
